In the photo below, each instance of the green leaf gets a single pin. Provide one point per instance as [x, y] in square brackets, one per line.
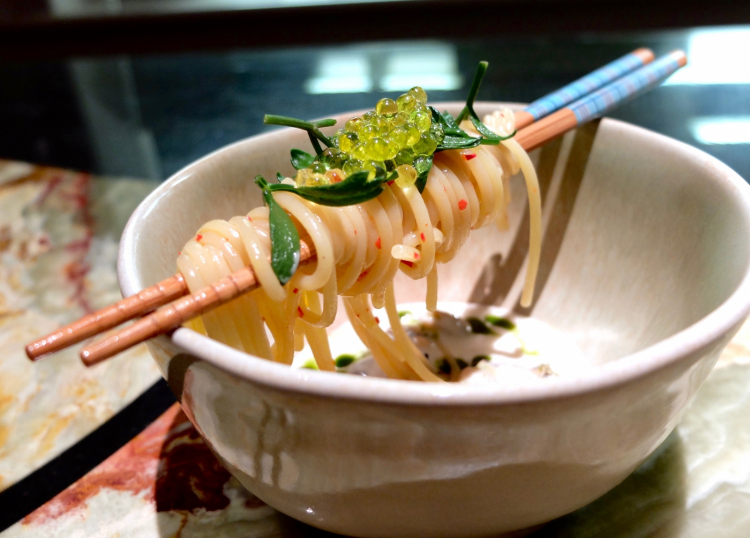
[423, 170]
[353, 190]
[487, 133]
[301, 159]
[469, 108]
[455, 142]
[279, 177]
[450, 121]
[285, 248]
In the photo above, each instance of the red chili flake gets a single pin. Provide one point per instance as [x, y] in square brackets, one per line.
[377, 319]
[416, 255]
[469, 156]
[377, 243]
[301, 313]
[248, 218]
[198, 237]
[422, 236]
[408, 264]
[462, 204]
[362, 275]
[295, 290]
[391, 182]
[179, 253]
[355, 232]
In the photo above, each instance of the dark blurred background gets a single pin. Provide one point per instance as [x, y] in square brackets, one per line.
[143, 87]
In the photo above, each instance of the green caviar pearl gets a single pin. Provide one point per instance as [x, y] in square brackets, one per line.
[406, 103]
[426, 145]
[367, 116]
[404, 156]
[302, 175]
[347, 142]
[399, 120]
[413, 134]
[436, 130]
[390, 166]
[351, 166]
[422, 119]
[399, 135]
[419, 94]
[386, 106]
[422, 162]
[371, 166]
[316, 180]
[360, 152]
[377, 149]
[354, 125]
[381, 124]
[393, 148]
[407, 176]
[318, 167]
[369, 131]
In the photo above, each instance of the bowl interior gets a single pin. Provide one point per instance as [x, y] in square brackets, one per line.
[643, 236]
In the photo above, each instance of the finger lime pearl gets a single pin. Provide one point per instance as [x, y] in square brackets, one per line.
[413, 134]
[437, 131]
[318, 167]
[348, 141]
[422, 119]
[377, 149]
[369, 131]
[393, 148]
[399, 135]
[426, 145]
[400, 119]
[381, 124]
[351, 166]
[360, 152]
[407, 176]
[422, 162]
[371, 166]
[301, 178]
[316, 180]
[419, 94]
[386, 107]
[405, 156]
[354, 125]
[406, 103]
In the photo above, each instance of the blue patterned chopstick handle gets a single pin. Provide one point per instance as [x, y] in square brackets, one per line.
[602, 101]
[583, 86]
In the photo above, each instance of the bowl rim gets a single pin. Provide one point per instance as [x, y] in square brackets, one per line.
[707, 330]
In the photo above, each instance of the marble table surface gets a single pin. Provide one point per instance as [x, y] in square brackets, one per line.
[59, 232]
[58, 238]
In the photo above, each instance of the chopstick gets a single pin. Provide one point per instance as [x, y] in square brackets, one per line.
[166, 291]
[175, 314]
[110, 316]
[554, 101]
[602, 101]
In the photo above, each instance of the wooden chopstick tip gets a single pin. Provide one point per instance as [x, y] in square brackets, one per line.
[680, 57]
[645, 54]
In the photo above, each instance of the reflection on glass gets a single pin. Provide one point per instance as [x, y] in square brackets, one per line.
[433, 66]
[716, 56]
[721, 129]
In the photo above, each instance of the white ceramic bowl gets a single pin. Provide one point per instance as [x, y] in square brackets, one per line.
[645, 264]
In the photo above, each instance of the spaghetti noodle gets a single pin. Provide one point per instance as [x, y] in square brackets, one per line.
[359, 248]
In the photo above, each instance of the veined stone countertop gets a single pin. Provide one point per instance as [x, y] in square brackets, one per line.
[59, 232]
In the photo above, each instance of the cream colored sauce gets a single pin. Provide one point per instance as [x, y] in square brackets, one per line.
[532, 352]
